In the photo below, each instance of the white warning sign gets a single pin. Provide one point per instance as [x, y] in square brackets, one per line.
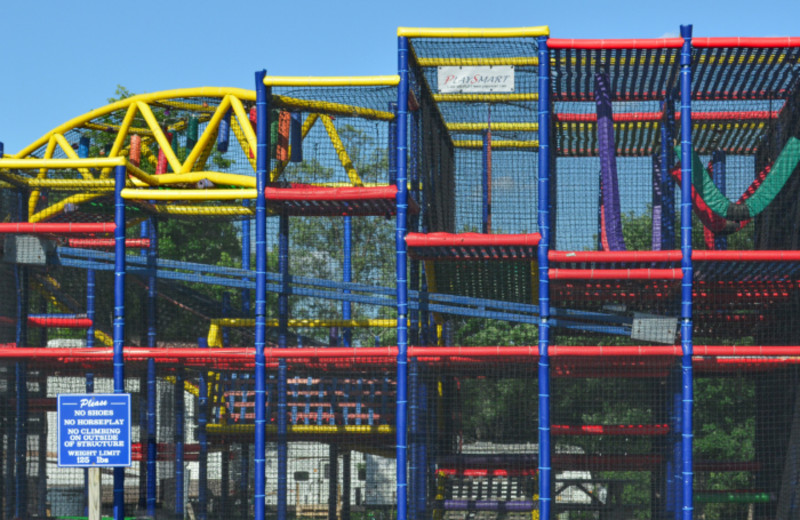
[476, 80]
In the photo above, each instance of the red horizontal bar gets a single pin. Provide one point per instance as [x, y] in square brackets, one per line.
[138, 447]
[627, 117]
[57, 227]
[494, 472]
[388, 354]
[746, 256]
[673, 256]
[791, 41]
[651, 43]
[304, 192]
[755, 350]
[107, 242]
[615, 256]
[470, 239]
[615, 274]
[67, 323]
[610, 429]
[615, 350]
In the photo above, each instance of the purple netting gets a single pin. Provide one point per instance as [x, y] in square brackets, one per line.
[609, 188]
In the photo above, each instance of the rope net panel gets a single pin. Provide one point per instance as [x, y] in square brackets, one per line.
[193, 434]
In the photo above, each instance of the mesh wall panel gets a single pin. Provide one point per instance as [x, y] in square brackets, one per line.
[613, 436]
[459, 177]
[609, 109]
[481, 427]
[330, 403]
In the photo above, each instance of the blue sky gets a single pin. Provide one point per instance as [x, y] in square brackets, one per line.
[62, 59]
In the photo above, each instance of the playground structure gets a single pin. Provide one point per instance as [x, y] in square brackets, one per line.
[527, 276]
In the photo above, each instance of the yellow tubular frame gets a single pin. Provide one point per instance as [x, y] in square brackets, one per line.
[204, 195]
[518, 61]
[497, 143]
[338, 145]
[499, 126]
[325, 107]
[332, 81]
[485, 98]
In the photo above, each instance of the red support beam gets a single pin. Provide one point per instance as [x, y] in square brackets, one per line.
[615, 274]
[470, 240]
[597, 44]
[626, 430]
[488, 472]
[57, 227]
[53, 322]
[753, 43]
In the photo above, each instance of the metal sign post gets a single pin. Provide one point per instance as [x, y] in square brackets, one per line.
[94, 431]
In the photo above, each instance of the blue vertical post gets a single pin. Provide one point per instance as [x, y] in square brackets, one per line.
[667, 182]
[413, 460]
[152, 447]
[20, 488]
[347, 276]
[225, 467]
[179, 440]
[545, 484]
[687, 394]
[10, 453]
[120, 175]
[719, 167]
[91, 284]
[262, 170]
[283, 331]
[202, 439]
[83, 152]
[402, 282]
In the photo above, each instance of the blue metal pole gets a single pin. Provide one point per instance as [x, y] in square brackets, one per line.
[686, 264]
[262, 170]
[202, 439]
[283, 331]
[152, 446]
[152, 389]
[347, 276]
[120, 176]
[225, 468]
[20, 488]
[21, 434]
[544, 282]
[413, 469]
[179, 439]
[720, 181]
[402, 282]
[91, 285]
